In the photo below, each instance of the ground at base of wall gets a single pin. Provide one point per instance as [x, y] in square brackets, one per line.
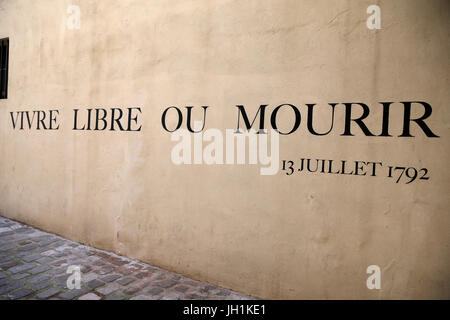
[39, 265]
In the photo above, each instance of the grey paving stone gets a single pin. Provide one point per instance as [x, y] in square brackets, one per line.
[125, 281]
[55, 263]
[35, 234]
[194, 296]
[21, 268]
[108, 289]
[131, 290]
[6, 241]
[93, 258]
[85, 268]
[20, 293]
[208, 287]
[46, 242]
[63, 247]
[55, 272]
[48, 293]
[10, 287]
[57, 243]
[115, 296]
[4, 281]
[118, 262]
[95, 283]
[40, 250]
[62, 279]
[38, 269]
[73, 293]
[105, 270]
[7, 247]
[144, 274]
[39, 278]
[166, 283]
[136, 266]
[171, 296]
[222, 293]
[235, 296]
[5, 259]
[43, 237]
[48, 252]
[182, 288]
[19, 276]
[20, 255]
[142, 297]
[144, 284]
[159, 276]
[41, 285]
[99, 263]
[28, 247]
[155, 291]
[33, 257]
[192, 283]
[110, 278]
[89, 277]
[89, 296]
[125, 271]
[45, 260]
[77, 262]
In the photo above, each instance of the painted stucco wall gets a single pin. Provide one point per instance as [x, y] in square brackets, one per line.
[274, 236]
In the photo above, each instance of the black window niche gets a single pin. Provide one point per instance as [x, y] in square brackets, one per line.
[4, 60]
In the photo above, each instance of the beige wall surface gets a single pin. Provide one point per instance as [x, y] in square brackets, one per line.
[272, 236]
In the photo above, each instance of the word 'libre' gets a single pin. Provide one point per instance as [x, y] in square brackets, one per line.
[117, 119]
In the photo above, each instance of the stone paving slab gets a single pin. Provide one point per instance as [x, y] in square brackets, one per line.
[34, 265]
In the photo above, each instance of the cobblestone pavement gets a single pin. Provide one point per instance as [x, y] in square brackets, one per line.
[33, 265]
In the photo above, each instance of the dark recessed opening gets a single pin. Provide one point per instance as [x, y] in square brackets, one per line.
[4, 57]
